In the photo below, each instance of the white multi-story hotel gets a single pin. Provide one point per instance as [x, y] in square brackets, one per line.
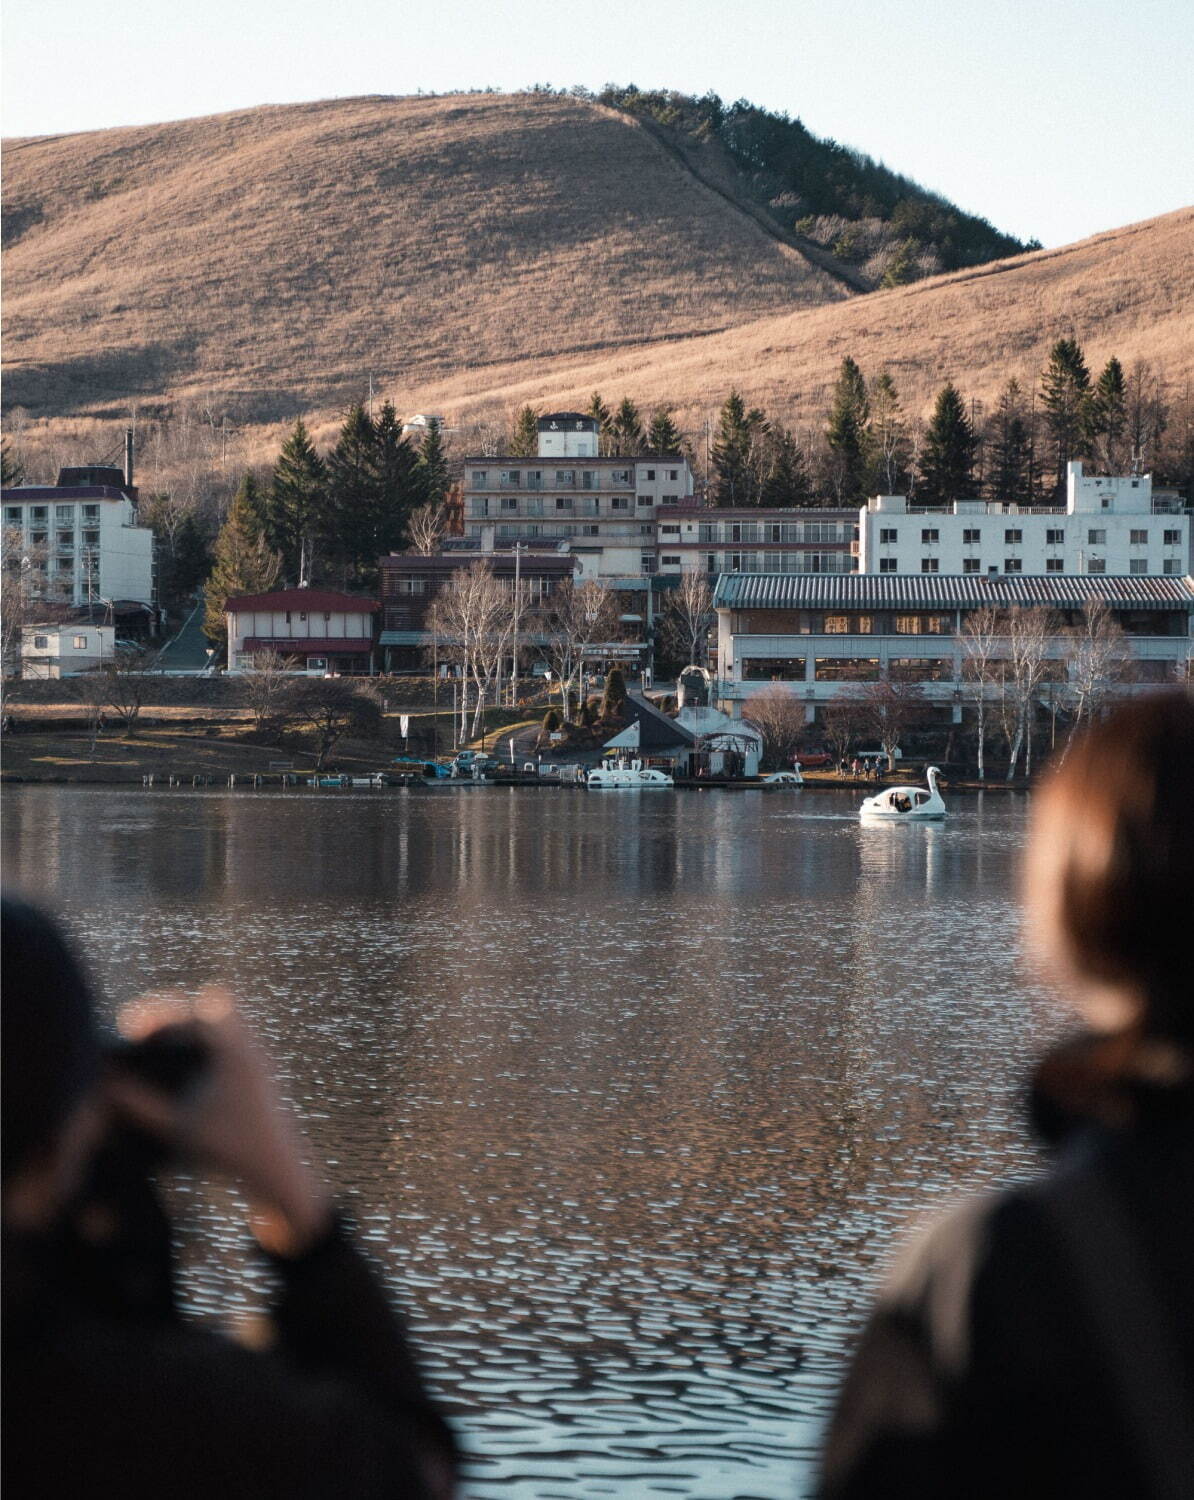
[1109, 526]
[603, 509]
[80, 539]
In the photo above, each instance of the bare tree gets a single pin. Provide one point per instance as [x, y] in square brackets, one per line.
[473, 618]
[426, 529]
[842, 721]
[267, 684]
[24, 592]
[127, 683]
[92, 691]
[981, 639]
[1029, 634]
[1099, 658]
[689, 615]
[332, 707]
[778, 714]
[577, 617]
[890, 709]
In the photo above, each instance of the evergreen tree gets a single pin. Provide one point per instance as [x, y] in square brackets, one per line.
[354, 495]
[947, 458]
[242, 562]
[525, 443]
[604, 418]
[663, 436]
[1066, 398]
[890, 447]
[1109, 418]
[614, 695]
[734, 479]
[848, 435]
[785, 479]
[1010, 478]
[399, 483]
[433, 466]
[626, 429]
[295, 509]
[12, 471]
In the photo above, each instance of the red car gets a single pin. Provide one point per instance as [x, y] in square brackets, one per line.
[812, 760]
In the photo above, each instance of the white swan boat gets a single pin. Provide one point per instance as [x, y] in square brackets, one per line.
[906, 804]
[623, 773]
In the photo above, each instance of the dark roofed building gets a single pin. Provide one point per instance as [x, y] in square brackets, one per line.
[321, 630]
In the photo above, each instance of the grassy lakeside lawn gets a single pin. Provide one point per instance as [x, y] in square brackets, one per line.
[186, 742]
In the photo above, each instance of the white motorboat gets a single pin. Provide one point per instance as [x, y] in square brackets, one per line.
[906, 804]
[623, 774]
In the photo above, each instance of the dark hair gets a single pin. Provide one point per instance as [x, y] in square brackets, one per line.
[1113, 857]
[51, 1052]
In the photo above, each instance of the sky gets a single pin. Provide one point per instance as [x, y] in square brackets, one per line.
[1053, 119]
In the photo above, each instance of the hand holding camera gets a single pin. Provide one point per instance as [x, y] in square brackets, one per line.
[194, 1077]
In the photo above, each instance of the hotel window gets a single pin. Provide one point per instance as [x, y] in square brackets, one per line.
[509, 502]
[620, 476]
[620, 502]
[1013, 536]
[847, 669]
[930, 534]
[972, 565]
[41, 642]
[37, 513]
[64, 515]
[1173, 538]
[80, 643]
[37, 538]
[645, 500]
[1013, 565]
[920, 669]
[673, 530]
[971, 536]
[651, 475]
[565, 476]
[534, 479]
[1055, 537]
[710, 562]
[647, 562]
[91, 538]
[773, 669]
[563, 502]
[588, 479]
[836, 625]
[91, 513]
[930, 565]
[889, 565]
[13, 513]
[1097, 565]
[1138, 565]
[1139, 538]
[66, 539]
[889, 535]
[1096, 537]
[673, 473]
[670, 561]
[511, 478]
[1173, 565]
[480, 477]
[1054, 565]
[670, 500]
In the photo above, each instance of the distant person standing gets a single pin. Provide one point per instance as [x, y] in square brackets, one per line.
[1040, 1343]
[108, 1391]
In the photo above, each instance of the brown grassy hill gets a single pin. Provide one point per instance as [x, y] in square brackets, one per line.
[1128, 292]
[271, 259]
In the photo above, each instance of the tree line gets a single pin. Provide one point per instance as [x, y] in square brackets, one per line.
[328, 518]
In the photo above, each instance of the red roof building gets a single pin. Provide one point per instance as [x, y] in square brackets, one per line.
[321, 630]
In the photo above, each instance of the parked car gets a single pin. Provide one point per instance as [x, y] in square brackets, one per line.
[812, 760]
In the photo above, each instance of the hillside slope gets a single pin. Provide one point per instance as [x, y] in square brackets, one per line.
[272, 259]
[1128, 292]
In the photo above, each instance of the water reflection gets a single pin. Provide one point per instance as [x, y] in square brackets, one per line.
[629, 1094]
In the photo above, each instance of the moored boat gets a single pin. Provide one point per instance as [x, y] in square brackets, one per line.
[626, 774]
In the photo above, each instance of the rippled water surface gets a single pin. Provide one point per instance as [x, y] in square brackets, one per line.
[632, 1094]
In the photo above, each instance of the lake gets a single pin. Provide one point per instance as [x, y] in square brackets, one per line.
[632, 1094]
